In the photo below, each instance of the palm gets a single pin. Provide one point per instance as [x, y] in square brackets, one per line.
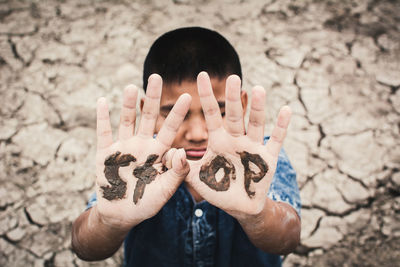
[243, 188]
[238, 196]
[131, 183]
[115, 199]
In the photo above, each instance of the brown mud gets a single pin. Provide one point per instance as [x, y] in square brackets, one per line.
[250, 175]
[208, 171]
[145, 174]
[112, 164]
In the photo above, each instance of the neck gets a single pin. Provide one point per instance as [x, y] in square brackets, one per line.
[196, 196]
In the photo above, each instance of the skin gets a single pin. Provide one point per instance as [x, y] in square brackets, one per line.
[193, 134]
[271, 226]
[215, 123]
[99, 232]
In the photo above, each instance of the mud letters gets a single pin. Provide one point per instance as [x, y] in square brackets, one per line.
[208, 171]
[250, 175]
[145, 174]
[112, 165]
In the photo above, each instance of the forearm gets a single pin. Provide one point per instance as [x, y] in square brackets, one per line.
[92, 239]
[275, 230]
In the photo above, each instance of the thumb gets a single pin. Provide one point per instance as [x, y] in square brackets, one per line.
[172, 178]
[180, 166]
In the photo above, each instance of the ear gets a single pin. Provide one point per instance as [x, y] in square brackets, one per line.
[243, 97]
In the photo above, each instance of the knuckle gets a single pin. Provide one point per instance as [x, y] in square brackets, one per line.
[211, 111]
[277, 135]
[129, 106]
[234, 118]
[149, 115]
[257, 108]
[172, 127]
[104, 133]
[256, 122]
[126, 121]
[178, 116]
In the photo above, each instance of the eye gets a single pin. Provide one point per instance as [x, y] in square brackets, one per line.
[164, 113]
[186, 116]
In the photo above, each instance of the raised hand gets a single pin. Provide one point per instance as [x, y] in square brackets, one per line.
[236, 171]
[131, 183]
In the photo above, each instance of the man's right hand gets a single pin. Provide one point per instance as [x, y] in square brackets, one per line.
[132, 185]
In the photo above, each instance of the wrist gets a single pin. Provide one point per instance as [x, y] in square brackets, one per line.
[96, 219]
[256, 218]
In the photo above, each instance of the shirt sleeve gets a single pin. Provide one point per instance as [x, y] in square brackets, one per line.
[284, 187]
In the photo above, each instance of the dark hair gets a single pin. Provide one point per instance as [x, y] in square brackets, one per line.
[183, 53]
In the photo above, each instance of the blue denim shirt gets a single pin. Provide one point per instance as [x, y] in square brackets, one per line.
[186, 233]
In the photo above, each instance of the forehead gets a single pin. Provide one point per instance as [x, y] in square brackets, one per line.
[172, 91]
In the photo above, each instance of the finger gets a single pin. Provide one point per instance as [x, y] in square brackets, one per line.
[233, 106]
[180, 166]
[167, 158]
[255, 130]
[128, 113]
[209, 104]
[274, 144]
[104, 133]
[171, 179]
[174, 119]
[151, 106]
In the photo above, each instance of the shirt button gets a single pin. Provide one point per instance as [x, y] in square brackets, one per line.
[198, 213]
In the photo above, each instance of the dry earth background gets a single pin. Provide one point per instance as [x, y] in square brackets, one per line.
[336, 63]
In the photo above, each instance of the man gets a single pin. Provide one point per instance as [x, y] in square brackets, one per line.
[204, 191]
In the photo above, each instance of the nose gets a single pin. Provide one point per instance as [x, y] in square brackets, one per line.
[196, 130]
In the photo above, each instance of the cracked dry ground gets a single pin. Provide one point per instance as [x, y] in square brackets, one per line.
[336, 63]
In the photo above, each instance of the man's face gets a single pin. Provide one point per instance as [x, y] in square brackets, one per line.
[192, 134]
